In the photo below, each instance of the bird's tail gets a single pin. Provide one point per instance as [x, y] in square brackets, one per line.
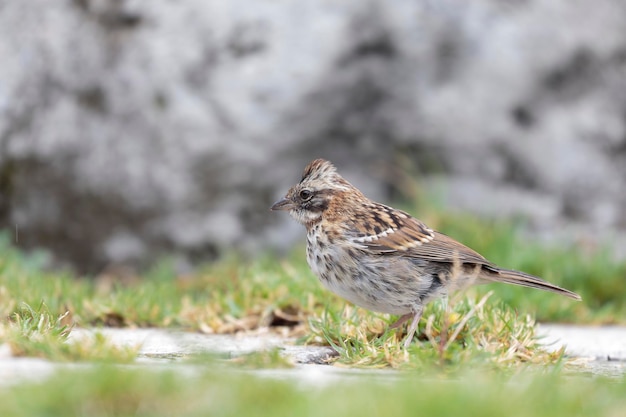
[525, 280]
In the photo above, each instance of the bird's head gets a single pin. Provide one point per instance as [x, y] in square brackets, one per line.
[313, 196]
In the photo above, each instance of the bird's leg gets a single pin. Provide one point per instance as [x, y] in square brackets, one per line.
[413, 327]
[401, 321]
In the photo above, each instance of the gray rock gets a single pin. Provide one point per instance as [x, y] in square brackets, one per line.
[132, 129]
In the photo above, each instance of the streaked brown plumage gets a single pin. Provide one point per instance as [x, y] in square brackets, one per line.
[381, 258]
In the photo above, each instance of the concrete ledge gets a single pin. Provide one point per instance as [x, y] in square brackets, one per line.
[605, 343]
[599, 350]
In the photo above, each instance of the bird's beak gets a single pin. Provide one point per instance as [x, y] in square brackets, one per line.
[284, 204]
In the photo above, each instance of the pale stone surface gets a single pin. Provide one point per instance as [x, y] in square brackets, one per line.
[598, 350]
[603, 343]
[606, 343]
[167, 343]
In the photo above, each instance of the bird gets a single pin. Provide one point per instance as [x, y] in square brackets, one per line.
[381, 258]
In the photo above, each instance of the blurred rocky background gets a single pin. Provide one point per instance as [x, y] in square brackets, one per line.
[133, 129]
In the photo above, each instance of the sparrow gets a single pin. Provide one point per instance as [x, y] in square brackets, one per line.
[381, 258]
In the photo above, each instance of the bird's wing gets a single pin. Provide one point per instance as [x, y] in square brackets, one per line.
[393, 231]
[383, 231]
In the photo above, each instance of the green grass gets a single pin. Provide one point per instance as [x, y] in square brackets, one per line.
[477, 354]
[113, 391]
[38, 333]
[40, 307]
[465, 333]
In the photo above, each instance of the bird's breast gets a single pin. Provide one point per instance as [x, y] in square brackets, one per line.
[367, 280]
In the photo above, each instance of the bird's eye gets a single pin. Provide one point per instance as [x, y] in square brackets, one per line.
[306, 194]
